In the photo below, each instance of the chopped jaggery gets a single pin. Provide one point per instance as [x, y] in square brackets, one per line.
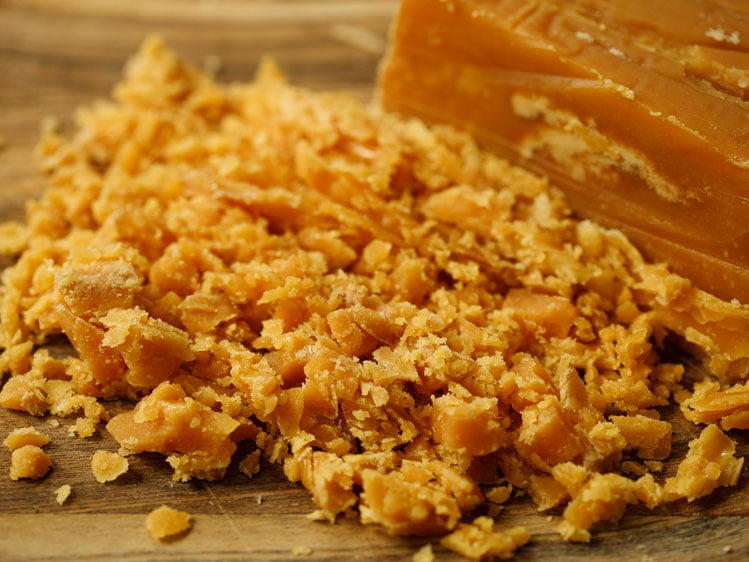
[165, 522]
[29, 461]
[410, 326]
[107, 466]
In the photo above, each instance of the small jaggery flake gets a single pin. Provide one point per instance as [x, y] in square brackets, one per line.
[63, 493]
[107, 466]
[250, 465]
[166, 522]
[25, 436]
[30, 462]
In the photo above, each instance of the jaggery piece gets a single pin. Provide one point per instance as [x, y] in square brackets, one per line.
[102, 368]
[151, 349]
[479, 541]
[83, 428]
[710, 463]
[168, 421]
[250, 465]
[710, 404]
[63, 493]
[552, 314]
[547, 436]
[165, 522]
[471, 426]
[25, 392]
[92, 289]
[29, 461]
[605, 100]
[418, 499]
[25, 436]
[649, 437]
[328, 478]
[108, 466]
[604, 497]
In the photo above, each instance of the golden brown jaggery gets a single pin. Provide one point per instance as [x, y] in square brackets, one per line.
[25, 436]
[165, 522]
[29, 461]
[399, 319]
[108, 466]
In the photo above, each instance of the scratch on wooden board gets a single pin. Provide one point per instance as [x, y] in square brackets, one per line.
[227, 516]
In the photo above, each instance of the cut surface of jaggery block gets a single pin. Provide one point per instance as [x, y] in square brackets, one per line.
[637, 110]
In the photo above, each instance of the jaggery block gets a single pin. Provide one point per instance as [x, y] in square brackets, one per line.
[637, 110]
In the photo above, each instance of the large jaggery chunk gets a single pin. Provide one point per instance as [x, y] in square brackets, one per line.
[637, 110]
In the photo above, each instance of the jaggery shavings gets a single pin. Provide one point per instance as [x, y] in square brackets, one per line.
[390, 313]
[108, 466]
[165, 522]
[29, 461]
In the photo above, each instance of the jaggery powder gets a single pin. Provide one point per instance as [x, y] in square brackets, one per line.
[411, 327]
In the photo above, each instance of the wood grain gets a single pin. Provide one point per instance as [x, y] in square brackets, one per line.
[55, 56]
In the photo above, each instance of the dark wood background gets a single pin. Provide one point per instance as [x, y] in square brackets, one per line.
[56, 55]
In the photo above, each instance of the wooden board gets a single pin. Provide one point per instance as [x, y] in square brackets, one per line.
[55, 56]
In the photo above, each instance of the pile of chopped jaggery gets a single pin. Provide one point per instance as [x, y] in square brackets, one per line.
[412, 327]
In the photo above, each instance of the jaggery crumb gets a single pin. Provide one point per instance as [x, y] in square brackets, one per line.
[83, 428]
[165, 522]
[396, 317]
[108, 466]
[29, 461]
[63, 493]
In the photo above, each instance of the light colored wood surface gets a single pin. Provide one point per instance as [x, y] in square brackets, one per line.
[55, 56]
